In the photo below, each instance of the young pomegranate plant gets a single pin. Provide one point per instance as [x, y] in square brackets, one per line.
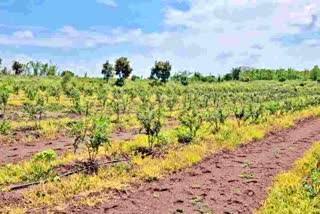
[92, 133]
[240, 114]
[150, 120]
[191, 120]
[4, 97]
[35, 111]
[102, 96]
[216, 118]
[255, 112]
[117, 103]
[55, 91]
[5, 127]
[172, 101]
[32, 92]
[159, 96]
[76, 101]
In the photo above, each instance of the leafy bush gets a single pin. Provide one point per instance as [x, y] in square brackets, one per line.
[47, 155]
[184, 135]
[150, 119]
[216, 119]
[191, 119]
[282, 79]
[5, 127]
[93, 133]
[4, 97]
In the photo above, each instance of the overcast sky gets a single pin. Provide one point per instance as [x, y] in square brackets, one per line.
[209, 36]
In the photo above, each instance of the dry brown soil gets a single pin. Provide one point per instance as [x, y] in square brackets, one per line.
[226, 182]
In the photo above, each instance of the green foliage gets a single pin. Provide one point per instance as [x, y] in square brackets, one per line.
[123, 70]
[236, 73]
[17, 67]
[150, 119]
[31, 110]
[182, 77]
[32, 92]
[239, 113]
[274, 74]
[35, 66]
[107, 71]
[135, 78]
[297, 191]
[4, 97]
[216, 118]
[35, 110]
[282, 79]
[228, 77]
[119, 102]
[102, 96]
[46, 156]
[52, 70]
[75, 96]
[55, 91]
[172, 100]
[161, 71]
[65, 81]
[184, 135]
[315, 73]
[311, 183]
[120, 82]
[93, 133]
[66, 72]
[191, 118]
[4, 127]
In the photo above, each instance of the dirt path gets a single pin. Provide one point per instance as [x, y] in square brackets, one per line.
[227, 182]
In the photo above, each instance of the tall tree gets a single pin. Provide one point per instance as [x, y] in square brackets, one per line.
[236, 73]
[36, 67]
[315, 73]
[107, 70]
[123, 68]
[44, 69]
[161, 71]
[17, 67]
[52, 70]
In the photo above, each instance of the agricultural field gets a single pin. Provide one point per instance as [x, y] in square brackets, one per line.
[85, 145]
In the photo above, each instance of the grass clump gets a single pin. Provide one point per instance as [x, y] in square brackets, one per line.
[297, 191]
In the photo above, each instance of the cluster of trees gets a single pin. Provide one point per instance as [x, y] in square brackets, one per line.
[30, 68]
[33, 68]
[274, 74]
[186, 77]
[160, 72]
[122, 69]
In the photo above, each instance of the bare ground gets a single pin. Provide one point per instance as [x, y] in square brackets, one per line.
[226, 182]
[23, 151]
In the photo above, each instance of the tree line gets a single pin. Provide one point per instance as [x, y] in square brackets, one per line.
[161, 73]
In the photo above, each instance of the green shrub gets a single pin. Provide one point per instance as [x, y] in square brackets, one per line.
[184, 135]
[5, 127]
[47, 155]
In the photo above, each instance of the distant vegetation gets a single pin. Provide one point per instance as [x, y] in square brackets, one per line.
[161, 73]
